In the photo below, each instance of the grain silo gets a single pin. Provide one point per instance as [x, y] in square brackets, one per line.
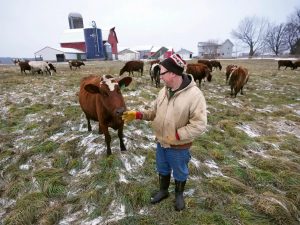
[75, 20]
[93, 43]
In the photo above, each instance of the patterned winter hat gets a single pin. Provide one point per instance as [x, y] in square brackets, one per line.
[174, 64]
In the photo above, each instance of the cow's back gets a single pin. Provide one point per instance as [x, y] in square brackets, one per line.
[88, 101]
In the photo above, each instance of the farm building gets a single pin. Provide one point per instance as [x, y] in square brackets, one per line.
[185, 54]
[214, 50]
[59, 54]
[161, 52]
[128, 54]
[91, 41]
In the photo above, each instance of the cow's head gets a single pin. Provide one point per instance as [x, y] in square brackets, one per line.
[109, 90]
[208, 75]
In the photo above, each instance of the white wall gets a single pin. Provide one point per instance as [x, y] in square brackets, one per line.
[128, 56]
[48, 54]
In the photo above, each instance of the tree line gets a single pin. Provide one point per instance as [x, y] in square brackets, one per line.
[262, 36]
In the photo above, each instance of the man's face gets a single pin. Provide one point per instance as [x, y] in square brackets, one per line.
[166, 76]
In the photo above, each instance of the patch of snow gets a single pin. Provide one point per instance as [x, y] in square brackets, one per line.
[214, 169]
[195, 162]
[248, 130]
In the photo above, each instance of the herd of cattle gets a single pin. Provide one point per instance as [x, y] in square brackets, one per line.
[41, 66]
[101, 99]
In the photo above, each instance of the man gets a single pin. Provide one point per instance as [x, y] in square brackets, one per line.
[179, 116]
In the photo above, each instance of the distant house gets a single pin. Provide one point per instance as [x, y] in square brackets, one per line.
[143, 50]
[214, 50]
[128, 54]
[185, 54]
[161, 52]
[59, 54]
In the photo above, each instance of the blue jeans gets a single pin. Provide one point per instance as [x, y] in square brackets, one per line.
[168, 159]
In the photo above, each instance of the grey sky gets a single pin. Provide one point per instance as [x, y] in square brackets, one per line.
[28, 26]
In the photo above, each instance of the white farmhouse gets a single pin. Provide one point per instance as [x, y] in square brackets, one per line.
[214, 50]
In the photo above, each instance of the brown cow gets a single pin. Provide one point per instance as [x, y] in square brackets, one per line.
[216, 64]
[296, 64]
[131, 66]
[237, 80]
[229, 69]
[154, 61]
[101, 100]
[76, 63]
[206, 62]
[199, 72]
[286, 63]
[23, 66]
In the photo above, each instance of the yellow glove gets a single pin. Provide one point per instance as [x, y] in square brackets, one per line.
[131, 115]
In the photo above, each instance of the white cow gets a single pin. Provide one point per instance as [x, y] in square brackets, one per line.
[37, 66]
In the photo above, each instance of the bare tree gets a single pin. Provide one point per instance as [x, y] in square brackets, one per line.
[292, 32]
[251, 31]
[211, 48]
[275, 40]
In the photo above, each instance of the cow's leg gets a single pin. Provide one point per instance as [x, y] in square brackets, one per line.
[231, 91]
[242, 93]
[88, 123]
[107, 139]
[120, 135]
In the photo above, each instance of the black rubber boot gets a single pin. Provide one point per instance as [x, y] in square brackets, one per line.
[164, 183]
[179, 201]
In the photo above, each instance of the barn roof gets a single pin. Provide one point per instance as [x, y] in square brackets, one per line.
[72, 36]
[60, 49]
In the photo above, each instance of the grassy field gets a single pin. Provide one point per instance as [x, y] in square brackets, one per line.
[244, 170]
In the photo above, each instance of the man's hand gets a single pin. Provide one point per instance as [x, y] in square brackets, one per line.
[131, 115]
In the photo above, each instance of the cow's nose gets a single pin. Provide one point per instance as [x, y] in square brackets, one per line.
[120, 111]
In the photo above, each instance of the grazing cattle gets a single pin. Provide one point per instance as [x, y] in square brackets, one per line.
[206, 62]
[216, 64]
[101, 100]
[52, 67]
[155, 74]
[237, 80]
[131, 66]
[23, 66]
[39, 66]
[76, 64]
[229, 69]
[286, 63]
[154, 61]
[199, 71]
[296, 64]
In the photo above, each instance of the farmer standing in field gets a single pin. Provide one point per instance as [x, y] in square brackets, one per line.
[179, 116]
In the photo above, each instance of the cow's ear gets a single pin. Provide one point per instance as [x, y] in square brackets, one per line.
[91, 88]
[125, 81]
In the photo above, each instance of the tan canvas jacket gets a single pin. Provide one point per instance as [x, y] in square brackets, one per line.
[184, 112]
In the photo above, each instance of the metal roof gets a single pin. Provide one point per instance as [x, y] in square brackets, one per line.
[72, 36]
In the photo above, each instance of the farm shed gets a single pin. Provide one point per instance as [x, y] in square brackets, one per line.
[185, 54]
[59, 54]
[128, 54]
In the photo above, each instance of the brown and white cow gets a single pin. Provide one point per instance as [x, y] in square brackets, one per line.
[76, 64]
[199, 71]
[155, 74]
[131, 66]
[229, 69]
[101, 100]
[237, 80]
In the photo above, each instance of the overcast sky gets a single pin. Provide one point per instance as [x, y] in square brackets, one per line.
[29, 25]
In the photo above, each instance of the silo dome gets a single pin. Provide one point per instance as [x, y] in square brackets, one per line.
[75, 20]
